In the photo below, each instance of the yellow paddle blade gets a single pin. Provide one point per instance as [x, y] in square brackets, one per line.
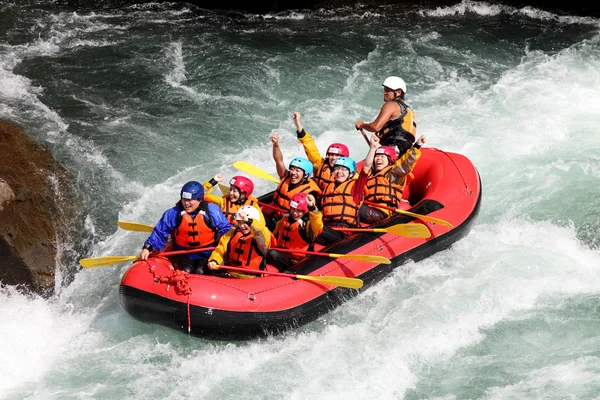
[407, 230]
[362, 257]
[352, 283]
[252, 170]
[134, 226]
[104, 261]
[426, 218]
[224, 188]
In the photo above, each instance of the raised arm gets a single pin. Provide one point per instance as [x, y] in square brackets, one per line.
[371, 154]
[278, 157]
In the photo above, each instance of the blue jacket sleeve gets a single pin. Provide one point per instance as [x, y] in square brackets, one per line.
[219, 220]
[162, 230]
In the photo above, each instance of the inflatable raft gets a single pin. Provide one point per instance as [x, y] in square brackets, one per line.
[446, 186]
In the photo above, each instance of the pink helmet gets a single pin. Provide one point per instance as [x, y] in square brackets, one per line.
[339, 149]
[242, 183]
[388, 151]
[299, 201]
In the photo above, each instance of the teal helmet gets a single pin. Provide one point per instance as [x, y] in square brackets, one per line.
[346, 162]
[303, 164]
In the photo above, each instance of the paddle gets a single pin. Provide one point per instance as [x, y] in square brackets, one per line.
[252, 170]
[365, 136]
[134, 226]
[406, 230]
[341, 281]
[359, 257]
[411, 214]
[96, 262]
[224, 189]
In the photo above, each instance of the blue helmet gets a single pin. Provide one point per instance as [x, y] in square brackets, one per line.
[192, 190]
[303, 164]
[346, 162]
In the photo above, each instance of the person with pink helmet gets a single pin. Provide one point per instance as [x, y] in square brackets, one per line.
[240, 194]
[323, 166]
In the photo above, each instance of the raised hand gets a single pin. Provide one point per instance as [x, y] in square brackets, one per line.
[275, 140]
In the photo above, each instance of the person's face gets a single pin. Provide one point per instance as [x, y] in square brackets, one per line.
[234, 193]
[331, 158]
[190, 205]
[296, 175]
[381, 161]
[296, 214]
[243, 227]
[341, 173]
[388, 94]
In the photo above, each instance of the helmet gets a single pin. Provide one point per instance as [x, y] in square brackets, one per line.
[395, 83]
[192, 190]
[299, 201]
[303, 164]
[250, 211]
[388, 151]
[242, 183]
[346, 162]
[339, 149]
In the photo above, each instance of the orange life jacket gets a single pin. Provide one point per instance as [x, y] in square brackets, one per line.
[193, 233]
[292, 235]
[381, 190]
[284, 193]
[229, 208]
[243, 252]
[324, 175]
[338, 204]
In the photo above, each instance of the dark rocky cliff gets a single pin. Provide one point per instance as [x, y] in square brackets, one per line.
[35, 205]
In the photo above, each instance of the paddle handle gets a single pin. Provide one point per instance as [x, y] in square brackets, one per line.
[271, 206]
[296, 251]
[365, 136]
[172, 253]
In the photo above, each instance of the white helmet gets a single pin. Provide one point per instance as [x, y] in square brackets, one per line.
[250, 211]
[395, 83]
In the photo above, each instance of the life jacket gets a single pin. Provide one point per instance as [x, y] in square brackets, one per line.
[401, 131]
[381, 190]
[284, 193]
[194, 232]
[230, 208]
[324, 175]
[292, 235]
[338, 204]
[243, 252]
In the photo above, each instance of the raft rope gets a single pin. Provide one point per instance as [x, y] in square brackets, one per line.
[179, 280]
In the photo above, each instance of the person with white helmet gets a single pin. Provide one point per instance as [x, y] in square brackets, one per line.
[192, 224]
[323, 166]
[296, 179]
[396, 124]
[245, 245]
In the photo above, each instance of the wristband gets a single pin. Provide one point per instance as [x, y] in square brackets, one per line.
[212, 182]
[301, 134]
[147, 246]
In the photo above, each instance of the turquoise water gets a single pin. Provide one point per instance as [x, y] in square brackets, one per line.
[135, 101]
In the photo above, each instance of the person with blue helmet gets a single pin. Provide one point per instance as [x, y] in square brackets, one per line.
[192, 224]
[342, 198]
[296, 179]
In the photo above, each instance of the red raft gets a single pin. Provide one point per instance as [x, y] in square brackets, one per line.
[446, 186]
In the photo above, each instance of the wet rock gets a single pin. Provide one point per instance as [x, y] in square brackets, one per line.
[35, 205]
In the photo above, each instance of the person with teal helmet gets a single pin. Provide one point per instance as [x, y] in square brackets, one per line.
[295, 178]
[192, 223]
[342, 198]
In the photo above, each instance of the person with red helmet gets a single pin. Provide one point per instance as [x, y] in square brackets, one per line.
[387, 180]
[240, 194]
[323, 166]
[296, 230]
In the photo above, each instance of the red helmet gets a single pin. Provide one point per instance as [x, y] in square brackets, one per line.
[339, 149]
[388, 151]
[242, 183]
[299, 201]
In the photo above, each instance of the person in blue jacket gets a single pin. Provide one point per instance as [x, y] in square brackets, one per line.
[193, 224]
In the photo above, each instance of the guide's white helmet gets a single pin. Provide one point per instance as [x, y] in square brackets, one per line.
[395, 83]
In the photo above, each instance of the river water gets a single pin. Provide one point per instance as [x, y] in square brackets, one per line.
[135, 101]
